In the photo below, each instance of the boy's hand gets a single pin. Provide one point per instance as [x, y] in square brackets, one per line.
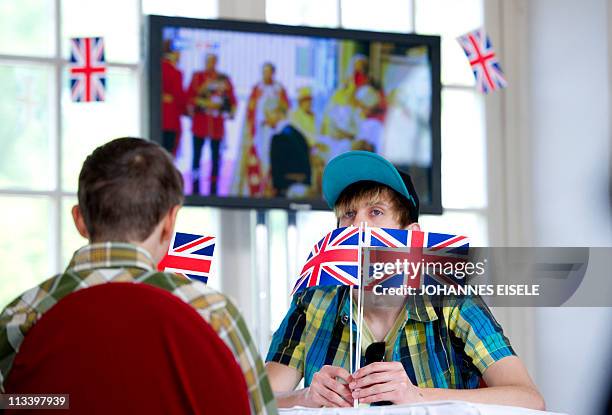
[384, 381]
[326, 391]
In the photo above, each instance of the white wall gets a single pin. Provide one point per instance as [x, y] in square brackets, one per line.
[570, 128]
[573, 365]
[570, 107]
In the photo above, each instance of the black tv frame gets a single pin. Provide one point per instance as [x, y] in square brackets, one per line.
[153, 49]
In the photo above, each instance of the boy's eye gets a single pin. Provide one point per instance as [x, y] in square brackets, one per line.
[376, 212]
[349, 214]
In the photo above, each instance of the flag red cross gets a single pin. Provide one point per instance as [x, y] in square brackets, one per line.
[481, 59]
[324, 255]
[87, 69]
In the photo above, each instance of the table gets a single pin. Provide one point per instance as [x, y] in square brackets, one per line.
[431, 408]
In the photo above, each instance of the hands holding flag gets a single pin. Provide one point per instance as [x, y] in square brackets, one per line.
[381, 381]
[329, 388]
[384, 381]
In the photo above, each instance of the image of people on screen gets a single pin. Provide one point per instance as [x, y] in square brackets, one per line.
[174, 99]
[275, 108]
[211, 101]
[267, 106]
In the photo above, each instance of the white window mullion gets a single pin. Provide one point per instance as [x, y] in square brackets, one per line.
[142, 96]
[56, 200]
[413, 16]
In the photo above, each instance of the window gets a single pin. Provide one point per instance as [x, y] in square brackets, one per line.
[27, 27]
[121, 31]
[382, 15]
[302, 12]
[26, 125]
[202, 9]
[450, 19]
[27, 253]
[86, 126]
[45, 137]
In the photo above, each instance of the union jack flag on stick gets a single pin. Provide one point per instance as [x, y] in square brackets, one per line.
[440, 250]
[87, 69]
[333, 260]
[479, 50]
[189, 255]
[428, 254]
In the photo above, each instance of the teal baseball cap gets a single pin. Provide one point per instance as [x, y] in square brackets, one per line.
[355, 166]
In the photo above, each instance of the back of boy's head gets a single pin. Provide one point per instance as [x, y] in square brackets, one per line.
[374, 192]
[126, 187]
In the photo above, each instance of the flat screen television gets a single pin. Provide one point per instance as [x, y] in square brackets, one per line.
[253, 111]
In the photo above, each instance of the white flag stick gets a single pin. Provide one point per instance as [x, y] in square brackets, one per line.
[362, 227]
[359, 288]
[351, 350]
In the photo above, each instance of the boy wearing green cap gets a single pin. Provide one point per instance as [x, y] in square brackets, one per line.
[432, 353]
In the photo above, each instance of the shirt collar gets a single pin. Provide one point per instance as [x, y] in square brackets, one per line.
[111, 255]
[419, 308]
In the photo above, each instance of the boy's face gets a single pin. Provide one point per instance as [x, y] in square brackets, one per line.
[377, 213]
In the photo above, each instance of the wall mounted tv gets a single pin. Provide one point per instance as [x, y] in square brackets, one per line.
[252, 112]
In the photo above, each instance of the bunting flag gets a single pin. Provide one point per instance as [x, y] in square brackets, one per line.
[479, 51]
[87, 69]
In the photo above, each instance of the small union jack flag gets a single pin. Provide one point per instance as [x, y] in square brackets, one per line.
[190, 255]
[387, 237]
[332, 261]
[87, 69]
[433, 250]
[442, 249]
[487, 70]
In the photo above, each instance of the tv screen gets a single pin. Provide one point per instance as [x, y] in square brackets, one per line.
[252, 112]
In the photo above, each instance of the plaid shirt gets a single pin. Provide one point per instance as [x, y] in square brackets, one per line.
[443, 347]
[119, 262]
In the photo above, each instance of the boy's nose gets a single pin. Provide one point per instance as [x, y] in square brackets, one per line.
[360, 217]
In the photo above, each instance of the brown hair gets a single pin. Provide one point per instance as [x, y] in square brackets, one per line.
[126, 187]
[360, 191]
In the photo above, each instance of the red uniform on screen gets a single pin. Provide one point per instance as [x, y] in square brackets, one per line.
[174, 99]
[212, 96]
[211, 100]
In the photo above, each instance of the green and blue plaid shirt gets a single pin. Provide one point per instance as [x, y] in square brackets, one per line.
[120, 262]
[440, 347]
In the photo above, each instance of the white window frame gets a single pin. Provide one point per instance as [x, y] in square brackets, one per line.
[56, 195]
